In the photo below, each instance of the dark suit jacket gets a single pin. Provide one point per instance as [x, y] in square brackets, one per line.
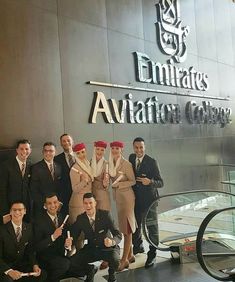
[43, 183]
[13, 186]
[145, 195]
[66, 190]
[13, 254]
[43, 229]
[104, 227]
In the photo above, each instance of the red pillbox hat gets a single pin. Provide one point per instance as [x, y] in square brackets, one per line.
[117, 144]
[101, 144]
[78, 147]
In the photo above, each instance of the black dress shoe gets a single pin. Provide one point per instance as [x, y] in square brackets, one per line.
[112, 277]
[150, 262]
[137, 250]
[91, 273]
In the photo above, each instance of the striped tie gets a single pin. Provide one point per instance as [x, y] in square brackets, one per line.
[56, 222]
[138, 165]
[52, 170]
[70, 159]
[18, 233]
[23, 169]
[92, 223]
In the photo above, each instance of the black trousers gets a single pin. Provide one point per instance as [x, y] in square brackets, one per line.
[90, 254]
[59, 267]
[140, 213]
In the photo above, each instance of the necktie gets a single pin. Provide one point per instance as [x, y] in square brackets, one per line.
[18, 233]
[23, 169]
[52, 170]
[138, 164]
[92, 222]
[56, 222]
[70, 159]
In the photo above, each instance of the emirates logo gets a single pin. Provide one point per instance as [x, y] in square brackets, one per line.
[171, 35]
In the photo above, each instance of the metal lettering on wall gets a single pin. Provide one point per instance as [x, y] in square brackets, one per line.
[171, 39]
[169, 75]
[171, 36]
[152, 111]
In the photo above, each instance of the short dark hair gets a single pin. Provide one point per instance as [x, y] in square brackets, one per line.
[17, 202]
[88, 196]
[138, 139]
[49, 143]
[65, 134]
[50, 195]
[22, 141]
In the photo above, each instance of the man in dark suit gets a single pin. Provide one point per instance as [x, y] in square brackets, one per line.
[102, 235]
[148, 179]
[66, 160]
[45, 177]
[14, 179]
[16, 251]
[51, 242]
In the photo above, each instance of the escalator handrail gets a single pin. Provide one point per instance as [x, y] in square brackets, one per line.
[199, 240]
[144, 227]
[191, 192]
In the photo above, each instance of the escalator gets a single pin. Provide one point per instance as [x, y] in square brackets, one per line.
[190, 227]
[215, 244]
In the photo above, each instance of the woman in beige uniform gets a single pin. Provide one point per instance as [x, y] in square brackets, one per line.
[100, 184]
[123, 178]
[81, 180]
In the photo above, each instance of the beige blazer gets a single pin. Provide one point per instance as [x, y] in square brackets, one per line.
[125, 198]
[101, 193]
[79, 188]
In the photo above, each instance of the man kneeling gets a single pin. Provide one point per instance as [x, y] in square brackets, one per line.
[102, 235]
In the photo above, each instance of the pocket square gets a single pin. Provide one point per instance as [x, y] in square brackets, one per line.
[101, 231]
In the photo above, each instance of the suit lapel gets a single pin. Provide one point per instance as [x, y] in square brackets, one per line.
[56, 172]
[11, 231]
[89, 224]
[17, 168]
[46, 168]
[27, 170]
[65, 161]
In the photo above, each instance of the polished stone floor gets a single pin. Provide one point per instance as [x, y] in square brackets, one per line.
[163, 271]
[166, 271]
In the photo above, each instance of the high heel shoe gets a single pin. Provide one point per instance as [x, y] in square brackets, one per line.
[104, 265]
[131, 259]
[123, 264]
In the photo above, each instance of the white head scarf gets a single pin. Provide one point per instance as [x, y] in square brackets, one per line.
[85, 166]
[112, 167]
[97, 167]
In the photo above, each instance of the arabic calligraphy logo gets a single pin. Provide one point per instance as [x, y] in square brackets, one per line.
[170, 34]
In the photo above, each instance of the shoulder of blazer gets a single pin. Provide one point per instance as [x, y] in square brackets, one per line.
[10, 163]
[102, 213]
[60, 158]
[9, 228]
[147, 158]
[42, 221]
[39, 165]
[132, 157]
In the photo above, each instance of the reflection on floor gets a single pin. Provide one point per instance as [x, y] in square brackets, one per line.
[164, 270]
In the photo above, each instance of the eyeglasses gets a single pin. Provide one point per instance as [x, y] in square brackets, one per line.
[20, 210]
[48, 151]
